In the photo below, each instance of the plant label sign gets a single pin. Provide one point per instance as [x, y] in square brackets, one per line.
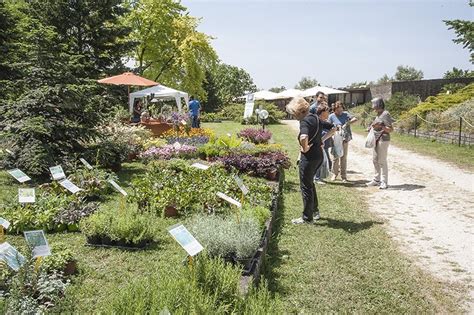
[86, 164]
[11, 256]
[185, 239]
[184, 122]
[249, 104]
[19, 175]
[57, 172]
[4, 223]
[26, 195]
[66, 183]
[117, 187]
[9, 151]
[200, 166]
[38, 243]
[229, 199]
[241, 184]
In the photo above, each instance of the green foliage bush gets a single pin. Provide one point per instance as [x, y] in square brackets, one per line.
[442, 102]
[191, 190]
[399, 103]
[210, 287]
[225, 237]
[125, 224]
[274, 113]
[258, 213]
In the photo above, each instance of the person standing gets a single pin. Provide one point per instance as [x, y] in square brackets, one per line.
[382, 126]
[343, 120]
[309, 139]
[320, 98]
[323, 114]
[194, 111]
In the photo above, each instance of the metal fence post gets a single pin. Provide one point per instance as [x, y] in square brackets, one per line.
[416, 123]
[460, 131]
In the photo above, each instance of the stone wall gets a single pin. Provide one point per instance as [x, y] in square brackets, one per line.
[422, 88]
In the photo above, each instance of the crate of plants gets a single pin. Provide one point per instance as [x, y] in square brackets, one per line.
[122, 226]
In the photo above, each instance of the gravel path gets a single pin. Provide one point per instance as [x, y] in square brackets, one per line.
[429, 209]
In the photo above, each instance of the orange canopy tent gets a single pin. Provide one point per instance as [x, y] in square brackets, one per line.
[128, 78]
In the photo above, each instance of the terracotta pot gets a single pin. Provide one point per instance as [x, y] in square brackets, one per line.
[272, 175]
[70, 268]
[171, 212]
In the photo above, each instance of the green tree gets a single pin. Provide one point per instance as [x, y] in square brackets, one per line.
[8, 56]
[384, 79]
[277, 89]
[212, 103]
[458, 73]
[232, 82]
[170, 49]
[464, 33]
[358, 84]
[306, 83]
[406, 73]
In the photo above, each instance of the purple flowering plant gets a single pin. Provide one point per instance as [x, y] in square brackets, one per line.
[169, 151]
[254, 135]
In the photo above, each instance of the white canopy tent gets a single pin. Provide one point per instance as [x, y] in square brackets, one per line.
[160, 92]
[326, 90]
[290, 93]
[261, 95]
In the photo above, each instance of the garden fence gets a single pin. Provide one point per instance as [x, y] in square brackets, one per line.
[454, 131]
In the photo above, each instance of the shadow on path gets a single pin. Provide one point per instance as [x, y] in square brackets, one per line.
[348, 226]
[406, 187]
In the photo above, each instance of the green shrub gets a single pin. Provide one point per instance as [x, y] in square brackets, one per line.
[209, 287]
[125, 224]
[191, 190]
[258, 213]
[274, 113]
[224, 237]
[400, 103]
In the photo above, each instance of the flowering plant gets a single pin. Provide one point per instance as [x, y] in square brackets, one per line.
[257, 136]
[193, 141]
[259, 165]
[169, 151]
[183, 133]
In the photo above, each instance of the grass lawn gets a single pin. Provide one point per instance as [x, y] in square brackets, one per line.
[461, 156]
[345, 263]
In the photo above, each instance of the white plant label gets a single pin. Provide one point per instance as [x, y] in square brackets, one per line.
[57, 172]
[185, 239]
[26, 195]
[241, 184]
[66, 183]
[4, 223]
[86, 164]
[117, 187]
[184, 122]
[11, 256]
[9, 151]
[38, 243]
[19, 175]
[229, 199]
[249, 104]
[177, 145]
[200, 166]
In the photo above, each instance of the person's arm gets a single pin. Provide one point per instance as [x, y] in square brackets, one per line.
[304, 137]
[329, 134]
[387, 126]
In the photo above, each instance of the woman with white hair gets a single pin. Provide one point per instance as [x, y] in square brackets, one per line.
[382, 126]
[311, 156]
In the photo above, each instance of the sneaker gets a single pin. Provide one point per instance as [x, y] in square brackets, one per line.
[373, 183]
[317, 216]
[383, 185]
[344, 180]
[300, 221]
[320, 182]
[333, 177]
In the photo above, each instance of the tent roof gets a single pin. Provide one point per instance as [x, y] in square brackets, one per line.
[159, 90]
[127, 78]
[326, 90]
[290, 93]
[261, 95]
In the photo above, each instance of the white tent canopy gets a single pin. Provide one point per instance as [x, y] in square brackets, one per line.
[159, 92]
[326, 90]
[261, 95]
[290, 93]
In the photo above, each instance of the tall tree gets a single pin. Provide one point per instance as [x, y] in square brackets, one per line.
[458, 73]
[170, 49]
[277, 89]
[464, 33]
[306, 83]
[384, 79]
[406, 73]
[232, 82]
[212, 102]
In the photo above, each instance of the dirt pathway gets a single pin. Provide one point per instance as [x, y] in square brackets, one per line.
[429, 209]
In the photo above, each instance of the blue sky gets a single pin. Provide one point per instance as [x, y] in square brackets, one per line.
[336, 42]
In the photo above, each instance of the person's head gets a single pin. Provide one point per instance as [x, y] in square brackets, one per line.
[320, 97]
[298, 108]
[322, 111]
[138, 104]
[378, 105]
[338, 108]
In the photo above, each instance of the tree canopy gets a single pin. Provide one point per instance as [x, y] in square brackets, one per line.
[407, 73]
[306, 83]
[464, 33]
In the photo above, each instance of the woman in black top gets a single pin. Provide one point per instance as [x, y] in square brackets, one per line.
[311, 157]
